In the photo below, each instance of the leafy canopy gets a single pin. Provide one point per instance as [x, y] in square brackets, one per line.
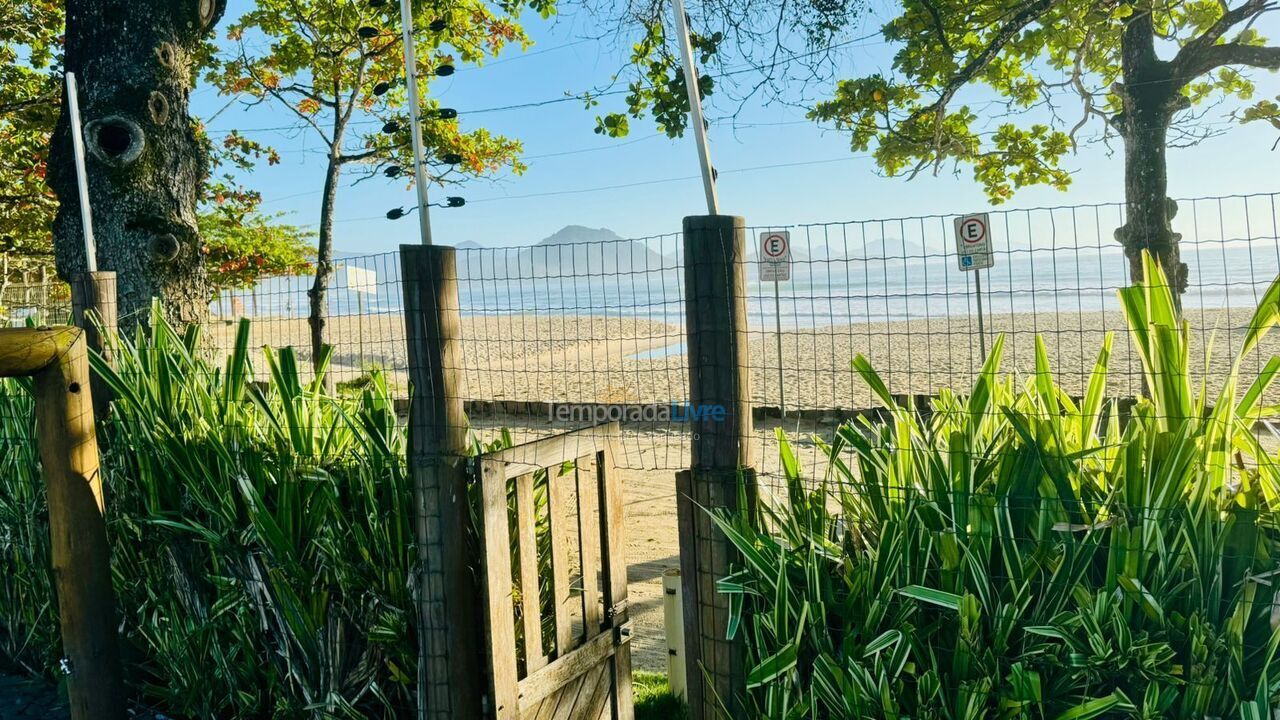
[241, 244]
[28, 110]
[1032, 57]
[338, 67]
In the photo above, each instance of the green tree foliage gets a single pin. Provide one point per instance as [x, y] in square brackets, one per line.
[28, 109]
[744, 48]
[987, 85]
[1035, 54]
[338, 68]
[242, 245]
[1139, 69]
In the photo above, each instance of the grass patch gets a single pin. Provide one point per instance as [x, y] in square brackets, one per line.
[653, 698]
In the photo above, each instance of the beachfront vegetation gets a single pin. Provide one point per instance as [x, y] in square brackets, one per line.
[1023, 553]
[261, 535]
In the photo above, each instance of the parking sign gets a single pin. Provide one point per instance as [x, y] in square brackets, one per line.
[973, 242]
[775, 255]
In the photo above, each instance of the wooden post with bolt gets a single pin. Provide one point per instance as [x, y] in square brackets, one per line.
[58, 361]
[93, 309]
[450, 628]
[715, 275]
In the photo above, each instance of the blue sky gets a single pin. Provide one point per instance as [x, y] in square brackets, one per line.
[776, 168]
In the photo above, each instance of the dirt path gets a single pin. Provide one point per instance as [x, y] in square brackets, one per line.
[21, 698]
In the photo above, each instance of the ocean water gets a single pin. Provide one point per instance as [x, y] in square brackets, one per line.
[822, 292]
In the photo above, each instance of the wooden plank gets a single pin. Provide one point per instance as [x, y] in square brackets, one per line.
[559, 672]
[556, 450]
[612, 529]
[561, 537]
[530, 596]
[27, 351]
[566, 696]
[79, 548]
[589, 544]
[504, 685]
[595, 693]
[602, 700]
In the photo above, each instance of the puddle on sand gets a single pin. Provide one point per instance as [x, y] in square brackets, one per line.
[673, 350]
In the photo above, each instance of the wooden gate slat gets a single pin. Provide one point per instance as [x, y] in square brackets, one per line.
[576, 664]
[589, 542]
[595, 694]
[497, 575]
[561, 536]
[548, 707]
[615, 573]
[591, 681]
[569, 700]
[530, 597]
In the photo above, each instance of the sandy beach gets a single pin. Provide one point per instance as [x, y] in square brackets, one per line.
[578, 359]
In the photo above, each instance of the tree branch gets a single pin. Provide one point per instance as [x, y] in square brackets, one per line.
[357, 157]
[937, 25]
[307, 93]
[1007, 32]
[1267, 58]
[1203, 53]
[5, 109]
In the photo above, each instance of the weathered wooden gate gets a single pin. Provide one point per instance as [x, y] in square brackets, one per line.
[557, 625]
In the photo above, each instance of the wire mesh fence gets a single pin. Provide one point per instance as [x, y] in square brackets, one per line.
[555, 333]
[31, 299]
[561, 335]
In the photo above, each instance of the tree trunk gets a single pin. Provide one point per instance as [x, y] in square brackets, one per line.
[134, 62]
[1150, 100]
[318, 294]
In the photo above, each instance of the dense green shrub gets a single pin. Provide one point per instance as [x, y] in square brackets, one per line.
[1022, 554]
[262, 536]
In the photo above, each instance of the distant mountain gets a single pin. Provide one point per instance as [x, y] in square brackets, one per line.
[572, 251]
[893, 249]
[874, 250]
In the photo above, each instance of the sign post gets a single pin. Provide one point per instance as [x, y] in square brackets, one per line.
[973, 248]
[361, 281]
[775, 265]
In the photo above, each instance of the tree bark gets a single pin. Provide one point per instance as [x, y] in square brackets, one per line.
[134, 60]
[318, 294]
[1150, 95]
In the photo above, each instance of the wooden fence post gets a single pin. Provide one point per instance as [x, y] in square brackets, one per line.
[93, 309]
[719, 377]
[59, 362]
[451, 635]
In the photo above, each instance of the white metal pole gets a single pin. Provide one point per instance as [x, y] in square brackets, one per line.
[673, 615]
[82, 177]
[695, 108]
[415, 120]
[982, 330]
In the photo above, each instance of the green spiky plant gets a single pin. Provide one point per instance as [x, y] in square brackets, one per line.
[28, 615]
[1020, 554]
[262, 536]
